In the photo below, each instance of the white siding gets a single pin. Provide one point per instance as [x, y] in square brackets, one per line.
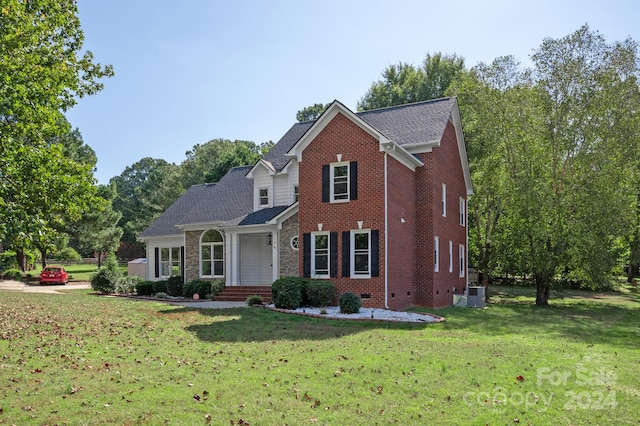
[293, 173]
[282, 190]
[261, 179]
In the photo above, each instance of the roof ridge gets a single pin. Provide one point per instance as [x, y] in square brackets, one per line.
[446, 98]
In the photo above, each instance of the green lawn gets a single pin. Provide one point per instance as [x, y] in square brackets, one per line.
[85, 359]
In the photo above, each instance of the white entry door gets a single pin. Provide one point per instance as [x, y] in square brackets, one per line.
[255, 260]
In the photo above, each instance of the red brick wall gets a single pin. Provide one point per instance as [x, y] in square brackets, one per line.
[342, 136]
[448, 169]
[402, 236]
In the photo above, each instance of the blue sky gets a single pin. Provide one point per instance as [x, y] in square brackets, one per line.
[190, 71]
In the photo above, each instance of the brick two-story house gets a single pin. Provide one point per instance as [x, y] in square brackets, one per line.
[374, 201]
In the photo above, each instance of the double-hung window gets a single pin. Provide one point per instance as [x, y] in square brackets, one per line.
[169, 261]
[436, 253]
[444, 199]
[320, 254]
[212, 254]
[361, 254]
[340, 182]
[461, 255]
[263, 197]
[462, 211]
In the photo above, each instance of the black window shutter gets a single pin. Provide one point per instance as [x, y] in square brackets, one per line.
[353, 180]
[182, 262]
[325, 184]
[375, 253]
[333, 254]
[346, 254]
[306, 254]
[156, 255]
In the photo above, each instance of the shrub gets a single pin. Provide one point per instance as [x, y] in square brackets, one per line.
[350, 303]
[144, 288]
[174, 285]
[299, 281]
[254, 300]
[107, 277]
[68, 253]
[288, 295]
[128, 285]
[196, 286]
[160, 286]
[320, 293]
[216, 287]
[12, 274]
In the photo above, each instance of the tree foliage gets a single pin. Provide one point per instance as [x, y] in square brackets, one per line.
[43, 74]
[553, 155]
[311, 112]
[405, 83]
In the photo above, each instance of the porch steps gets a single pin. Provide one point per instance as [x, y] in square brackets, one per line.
[241, 293]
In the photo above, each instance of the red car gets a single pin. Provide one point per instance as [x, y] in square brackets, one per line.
[53, 275]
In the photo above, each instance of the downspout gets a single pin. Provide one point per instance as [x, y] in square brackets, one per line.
[386, 236]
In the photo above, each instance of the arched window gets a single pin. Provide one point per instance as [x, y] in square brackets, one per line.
[212, 254]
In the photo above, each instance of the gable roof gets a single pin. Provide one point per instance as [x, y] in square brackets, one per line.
[231, 197]
[164, 225]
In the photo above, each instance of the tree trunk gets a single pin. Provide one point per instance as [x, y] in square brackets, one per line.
[542, 291]
[99, 259]
[43, 255]
[21, 259]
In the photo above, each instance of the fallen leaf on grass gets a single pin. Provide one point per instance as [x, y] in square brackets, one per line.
[519, 378]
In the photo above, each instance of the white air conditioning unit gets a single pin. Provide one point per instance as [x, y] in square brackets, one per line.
[475, 297]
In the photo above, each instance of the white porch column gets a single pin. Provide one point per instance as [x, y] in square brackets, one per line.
[232, 264]
[275, 249]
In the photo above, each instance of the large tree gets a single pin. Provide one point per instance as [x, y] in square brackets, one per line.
[553, 152]
[405, 83]
[43, 74]
[144, 190]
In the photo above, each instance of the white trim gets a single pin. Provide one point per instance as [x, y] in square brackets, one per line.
[436, 249]
[461, 257]
[332, 194]
[462, 214]
[444, 199]
[450, 256]
[213, 259]
[352, 253]
[313, 255]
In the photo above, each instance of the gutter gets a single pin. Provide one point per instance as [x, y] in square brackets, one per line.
[386, 235]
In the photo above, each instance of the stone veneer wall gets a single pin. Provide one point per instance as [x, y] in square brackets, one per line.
[289, 256]
[192, 254]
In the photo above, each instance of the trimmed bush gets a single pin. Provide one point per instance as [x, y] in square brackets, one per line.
[196, 286]
[288, 296]
[144, 288]
[159, 286]
[350, 303]
[217, 286]
[320, 293]
[299, 281]
[174, 285]
[128, 285]
[254, 300]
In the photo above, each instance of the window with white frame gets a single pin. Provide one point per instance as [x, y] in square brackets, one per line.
[444, 199]
[340, 182]
[450, 256]
[461, 255]
[296, 195]
[263, 197]
[169, 262]
[462, 211]
[212, 254]
[360, 254]
[436, 250]
[320, 255]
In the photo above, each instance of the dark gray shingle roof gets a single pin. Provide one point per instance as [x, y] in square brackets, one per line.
[231, 197]
[164, 225]
[258, 217]
[412, 123]
[277, 154]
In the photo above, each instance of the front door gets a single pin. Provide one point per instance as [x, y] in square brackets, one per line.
[255, 259]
